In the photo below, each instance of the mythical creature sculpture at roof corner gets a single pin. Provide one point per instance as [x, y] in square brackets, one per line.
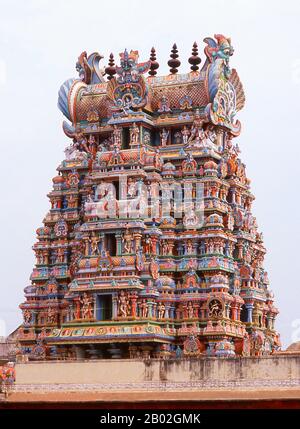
[89, 74]
[221, 48]
[225, 90]
[88, 68]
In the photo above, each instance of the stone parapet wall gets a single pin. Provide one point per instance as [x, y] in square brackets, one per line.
[282, 371]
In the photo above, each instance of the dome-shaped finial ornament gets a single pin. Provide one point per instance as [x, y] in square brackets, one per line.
[194, 59]
[174, 63]
[110, 70]
[154, 64]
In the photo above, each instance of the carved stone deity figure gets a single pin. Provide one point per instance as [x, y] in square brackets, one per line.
[154, 269]
[51, 315]
[161, 310]
[197, 132]
[170, 245]
[247, 254]
[147, 138]
[92, 145]
[94, 240]
[185, 134]
[87, 303]
[230, 222]
[190, 309]
[134, 135]
[127, 241]
[76, 309]
[177, 138]
[266, 278]
[39, 257]
[144, 308]
[190, 219]
[71, 151]
[132, 188]
[189, 247]
[164, 105]
[116, 156]
[202, 248]
[27, 316]
[164, 247]
[215, 308]
[189, 164]
[164, 136]
[72, 201]
[83, 142]
[157, 159]
[123, 304]
[147, 244]
[60, 255]
[117, 137]
[211, 134]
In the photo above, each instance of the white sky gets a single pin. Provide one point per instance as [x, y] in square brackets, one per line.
[40, 41]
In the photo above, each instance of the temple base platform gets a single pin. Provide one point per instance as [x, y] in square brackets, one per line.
[271, 381]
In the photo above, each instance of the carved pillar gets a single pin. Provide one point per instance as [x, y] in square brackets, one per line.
[79, 351]
[154, 240]
[201, 313]
[119, 243]
[134, 304]
[180, 250]
[77, 314]
[185, 311]
[249, 307]
[167, 310]
[171, 245]
[233, 196]
[133, 351]
[240, 250]
[146, 350]
[138, 240]
[234, 312]
[227, 310]
[272, 322]
[172, 312]
[101, 242]
[46, 257]
[115, 306]
[239, 309]
[94, 304]
[151, 309]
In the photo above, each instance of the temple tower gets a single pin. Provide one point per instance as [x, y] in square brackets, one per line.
[150, 248]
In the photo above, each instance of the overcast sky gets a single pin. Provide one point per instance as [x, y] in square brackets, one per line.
[40, 41]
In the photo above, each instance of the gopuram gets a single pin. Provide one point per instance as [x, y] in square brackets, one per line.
[149, 249]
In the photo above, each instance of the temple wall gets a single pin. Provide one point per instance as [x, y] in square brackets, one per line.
[281, 371]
